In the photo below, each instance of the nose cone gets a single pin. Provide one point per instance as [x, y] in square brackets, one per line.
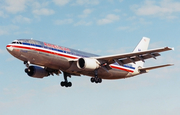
[9, 48]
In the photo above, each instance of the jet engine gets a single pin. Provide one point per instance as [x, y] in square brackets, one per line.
[88, 64]
[36, 72]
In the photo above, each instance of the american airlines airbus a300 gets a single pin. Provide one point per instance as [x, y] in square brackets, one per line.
[48, 59]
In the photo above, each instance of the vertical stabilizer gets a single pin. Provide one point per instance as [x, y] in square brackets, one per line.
[142, 46]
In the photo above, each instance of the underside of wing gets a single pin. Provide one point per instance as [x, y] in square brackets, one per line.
[133, 57]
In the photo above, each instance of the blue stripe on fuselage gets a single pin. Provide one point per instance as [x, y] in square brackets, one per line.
[129, 67]
[72, 52]
[45, 47]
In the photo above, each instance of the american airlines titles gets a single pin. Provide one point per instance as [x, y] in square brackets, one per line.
[57, 47]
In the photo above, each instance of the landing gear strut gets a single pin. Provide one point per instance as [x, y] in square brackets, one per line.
[96, 79]
[65, 82]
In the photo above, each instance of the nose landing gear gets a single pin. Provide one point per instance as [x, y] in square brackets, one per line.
[26, 63]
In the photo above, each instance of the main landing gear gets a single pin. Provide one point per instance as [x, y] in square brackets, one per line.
[96, 79]
[65, 82]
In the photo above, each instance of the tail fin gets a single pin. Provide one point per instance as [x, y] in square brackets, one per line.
[142, 46]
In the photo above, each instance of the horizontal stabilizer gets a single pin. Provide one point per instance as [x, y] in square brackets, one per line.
[144, 70]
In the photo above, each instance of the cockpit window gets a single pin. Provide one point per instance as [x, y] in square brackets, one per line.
[16, 42]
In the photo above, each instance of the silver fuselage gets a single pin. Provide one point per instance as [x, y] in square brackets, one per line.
[63, 58]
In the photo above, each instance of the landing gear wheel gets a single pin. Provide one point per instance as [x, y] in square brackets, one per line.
[92, 80]
[62, 83]
[99, 80]
[66, 85]
[69, 84]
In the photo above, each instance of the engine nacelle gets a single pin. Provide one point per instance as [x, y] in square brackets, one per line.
[88, 64]
[36, 72]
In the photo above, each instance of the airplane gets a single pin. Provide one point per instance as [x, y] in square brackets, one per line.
[43, 59]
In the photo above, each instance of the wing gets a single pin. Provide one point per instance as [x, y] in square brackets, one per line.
[133, 57]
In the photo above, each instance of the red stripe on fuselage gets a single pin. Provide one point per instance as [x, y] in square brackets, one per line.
[42, 50]
[63, 55]
[120, 68]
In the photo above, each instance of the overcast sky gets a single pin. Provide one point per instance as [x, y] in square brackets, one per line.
[102, 27]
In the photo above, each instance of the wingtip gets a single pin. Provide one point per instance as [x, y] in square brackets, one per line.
[170, 48]
[170, 64]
